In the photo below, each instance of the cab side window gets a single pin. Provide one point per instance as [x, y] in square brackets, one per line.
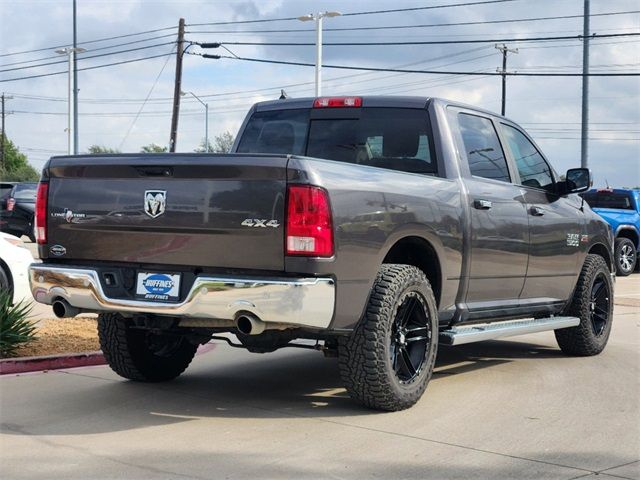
[533, 169]
[483, 149]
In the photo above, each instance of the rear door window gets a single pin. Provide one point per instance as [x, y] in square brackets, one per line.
[482, 147]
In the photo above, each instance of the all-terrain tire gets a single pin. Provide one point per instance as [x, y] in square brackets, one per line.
[139, 354]
[589, 337]
[626, 256]
[366, 355]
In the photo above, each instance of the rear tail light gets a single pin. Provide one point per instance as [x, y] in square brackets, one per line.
[309, 226]
[41, 212]
[337, 102]
[11, 204]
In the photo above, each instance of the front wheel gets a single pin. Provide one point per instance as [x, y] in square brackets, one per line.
[142, 355]
[387, 361]
[592, 302]
[626, 256]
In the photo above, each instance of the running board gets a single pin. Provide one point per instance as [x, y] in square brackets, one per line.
[489, 331]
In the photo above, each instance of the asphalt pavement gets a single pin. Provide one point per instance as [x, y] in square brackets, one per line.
[515, 409]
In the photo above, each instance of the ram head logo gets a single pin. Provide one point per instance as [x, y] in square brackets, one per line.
[155, 202]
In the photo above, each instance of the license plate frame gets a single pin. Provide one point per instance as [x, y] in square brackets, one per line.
[158, 286]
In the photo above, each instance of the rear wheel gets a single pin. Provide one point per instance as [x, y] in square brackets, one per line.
[142, 355]
[626, 256]
[387, 361]
[593, 303]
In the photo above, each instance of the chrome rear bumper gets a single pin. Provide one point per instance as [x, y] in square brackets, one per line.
[304, 302]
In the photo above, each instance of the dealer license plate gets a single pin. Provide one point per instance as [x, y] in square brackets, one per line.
[162, 287]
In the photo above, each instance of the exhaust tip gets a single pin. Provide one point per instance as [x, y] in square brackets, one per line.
[62, 309]
[249, 325]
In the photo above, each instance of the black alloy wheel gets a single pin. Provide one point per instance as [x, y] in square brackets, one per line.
[410, 338]
[600, 303]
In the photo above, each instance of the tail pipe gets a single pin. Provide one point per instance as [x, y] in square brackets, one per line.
[62, 309]
[249, 324]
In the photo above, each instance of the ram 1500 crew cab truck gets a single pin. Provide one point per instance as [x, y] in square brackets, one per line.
[376, 226]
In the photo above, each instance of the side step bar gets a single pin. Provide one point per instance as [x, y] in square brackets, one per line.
[460, 335]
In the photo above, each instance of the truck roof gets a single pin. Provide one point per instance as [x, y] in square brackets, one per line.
[368, 101]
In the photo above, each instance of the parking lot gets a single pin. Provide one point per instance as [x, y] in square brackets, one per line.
[500, 409]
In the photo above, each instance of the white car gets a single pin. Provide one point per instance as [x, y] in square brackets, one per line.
[15, 259]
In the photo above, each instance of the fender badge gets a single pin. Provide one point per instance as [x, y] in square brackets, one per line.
[57, 250]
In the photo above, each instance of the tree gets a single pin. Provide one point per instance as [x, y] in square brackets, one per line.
[153, 148]
[16, 168]
[98, 149]
[221, 144]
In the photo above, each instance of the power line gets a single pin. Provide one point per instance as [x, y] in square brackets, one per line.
[89, 57]
[427, 25]
[86, 68]
[437, 72]
[241, 94]
[49, 48]
[92, 50]
[429, 42]
[370, 12]
[145, 100]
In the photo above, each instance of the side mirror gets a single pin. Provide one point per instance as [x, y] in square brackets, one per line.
[577, 180]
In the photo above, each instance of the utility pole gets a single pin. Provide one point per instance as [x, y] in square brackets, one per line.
[177, 88]
[2, 134]
[75, 82]
[505, 50]
[584, 138]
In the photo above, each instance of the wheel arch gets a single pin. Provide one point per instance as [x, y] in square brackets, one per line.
[604, 252]
[628, 231]
[420, 253]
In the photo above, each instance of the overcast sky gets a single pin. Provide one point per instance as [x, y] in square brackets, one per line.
[110, 98]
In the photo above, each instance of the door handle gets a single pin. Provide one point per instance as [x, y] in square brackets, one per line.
[482, 204]
[537, 211]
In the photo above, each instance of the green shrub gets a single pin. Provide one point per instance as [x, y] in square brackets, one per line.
[15, 328]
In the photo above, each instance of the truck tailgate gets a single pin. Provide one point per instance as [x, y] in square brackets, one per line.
[205, 210]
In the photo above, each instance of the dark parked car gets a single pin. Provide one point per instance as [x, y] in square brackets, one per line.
[377, 227]
[17, 209]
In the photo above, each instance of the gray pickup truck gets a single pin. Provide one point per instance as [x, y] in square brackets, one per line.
[377, 227]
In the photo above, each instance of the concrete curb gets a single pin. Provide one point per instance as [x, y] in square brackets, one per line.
[50, 362]
[56, 362]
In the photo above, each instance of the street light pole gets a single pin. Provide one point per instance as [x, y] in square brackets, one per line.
[71, 53]
[318, 19]
[206, 118]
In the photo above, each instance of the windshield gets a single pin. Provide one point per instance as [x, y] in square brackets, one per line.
[26, 192]
[620, 201]
[393, 138]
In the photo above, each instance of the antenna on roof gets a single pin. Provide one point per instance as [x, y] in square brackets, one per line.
[283, 95]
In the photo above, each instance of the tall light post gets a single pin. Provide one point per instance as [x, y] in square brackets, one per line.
[206, 118]
[71, 53]
[318, 19]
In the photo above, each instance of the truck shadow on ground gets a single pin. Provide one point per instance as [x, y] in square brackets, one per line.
[220, 384]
